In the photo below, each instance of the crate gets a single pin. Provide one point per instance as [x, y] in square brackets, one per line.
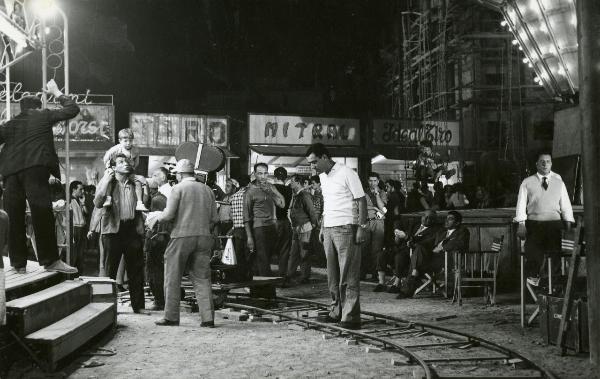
[577, 337]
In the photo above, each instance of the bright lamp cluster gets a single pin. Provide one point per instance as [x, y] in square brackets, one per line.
[546, 32]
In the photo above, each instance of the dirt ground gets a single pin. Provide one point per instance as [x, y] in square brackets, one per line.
[263, 349]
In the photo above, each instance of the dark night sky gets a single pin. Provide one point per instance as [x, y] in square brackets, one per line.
[150, 53]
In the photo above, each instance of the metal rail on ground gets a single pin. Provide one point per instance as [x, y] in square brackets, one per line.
[396, 337]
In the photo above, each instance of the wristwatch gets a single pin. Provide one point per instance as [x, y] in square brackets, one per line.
[364, 226]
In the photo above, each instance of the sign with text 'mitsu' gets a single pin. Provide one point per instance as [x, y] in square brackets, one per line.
[410, 132]
[298, 130]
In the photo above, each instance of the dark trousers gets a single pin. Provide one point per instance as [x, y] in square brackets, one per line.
[401, 256]
[424, 260]
[155, 264]
[543, 240]
[78, 242]
[127, 243]
[283, 244]
[265, 248]
[30, 184]
[155, 267]
[240, 245]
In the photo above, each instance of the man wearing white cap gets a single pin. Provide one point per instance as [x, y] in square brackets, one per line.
[192, 209]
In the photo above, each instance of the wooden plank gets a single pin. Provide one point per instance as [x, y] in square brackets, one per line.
[61, 288]
[72, 325]
[33, 312]
[257, 281]
[569, 290]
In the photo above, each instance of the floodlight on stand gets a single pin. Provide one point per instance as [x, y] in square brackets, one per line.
[526, 60]
[503, 23]
[514, 42]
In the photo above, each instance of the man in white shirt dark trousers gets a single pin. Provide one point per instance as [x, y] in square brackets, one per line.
[542, 206]
[342, 231]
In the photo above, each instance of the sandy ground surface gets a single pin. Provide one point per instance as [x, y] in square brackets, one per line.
[261, 349]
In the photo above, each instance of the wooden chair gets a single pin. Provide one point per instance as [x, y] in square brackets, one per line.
[477, 269]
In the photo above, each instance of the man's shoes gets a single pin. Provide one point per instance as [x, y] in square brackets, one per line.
[157, 307]
[107, 202]
[60, 266]
[328, 319]
[402, 295]
[141, 207]
[120, 288]
[533, 281]
[379, 288]
[165, 322]
[411, 286]
[393, 289]
[350, 325]
[141, 312]
[207, 324]
[21, 270]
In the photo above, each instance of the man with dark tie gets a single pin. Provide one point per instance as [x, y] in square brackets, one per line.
[542, 207]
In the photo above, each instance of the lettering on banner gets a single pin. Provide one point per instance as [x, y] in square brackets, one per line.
[16, 95]
[393, 132]
[293, 130]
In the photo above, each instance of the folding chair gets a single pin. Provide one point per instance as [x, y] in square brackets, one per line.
[432, 279]
[478, 269]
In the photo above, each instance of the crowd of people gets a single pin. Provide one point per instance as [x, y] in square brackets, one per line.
[157, 228]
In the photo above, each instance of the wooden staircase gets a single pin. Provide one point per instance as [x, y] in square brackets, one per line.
[53, 322]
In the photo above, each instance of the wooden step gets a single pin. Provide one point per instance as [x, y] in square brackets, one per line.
[27, 314]
[58, 340]
[104, 289]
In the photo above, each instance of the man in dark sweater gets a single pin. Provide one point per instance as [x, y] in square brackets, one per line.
[26, 162]
[282, 224]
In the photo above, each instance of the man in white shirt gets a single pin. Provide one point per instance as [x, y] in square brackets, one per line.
[542, 206]
[342, 231]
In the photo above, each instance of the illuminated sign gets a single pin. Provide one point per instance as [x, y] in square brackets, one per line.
[94, 123]
[159, 130]
[298, 130]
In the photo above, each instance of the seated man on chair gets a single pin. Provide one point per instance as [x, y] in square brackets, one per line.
[455, 237]
[422, 241]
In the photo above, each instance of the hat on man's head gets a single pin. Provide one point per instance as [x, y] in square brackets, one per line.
[184, 166]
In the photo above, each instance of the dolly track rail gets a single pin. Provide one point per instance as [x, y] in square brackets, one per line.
[409, 327]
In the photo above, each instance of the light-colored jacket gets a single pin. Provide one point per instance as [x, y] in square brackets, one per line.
[192, 208]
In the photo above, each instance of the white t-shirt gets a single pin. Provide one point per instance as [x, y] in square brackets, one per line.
[340, 187]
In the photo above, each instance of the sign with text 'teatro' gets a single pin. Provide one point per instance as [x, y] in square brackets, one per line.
[299, 130]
